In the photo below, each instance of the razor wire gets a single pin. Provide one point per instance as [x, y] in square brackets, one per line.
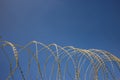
[37, 61]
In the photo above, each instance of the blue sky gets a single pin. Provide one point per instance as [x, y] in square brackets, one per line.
[80, 23]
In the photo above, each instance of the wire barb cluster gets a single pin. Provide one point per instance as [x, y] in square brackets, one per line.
[37, 61]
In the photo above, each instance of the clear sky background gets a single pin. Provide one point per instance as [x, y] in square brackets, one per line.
[80, 23]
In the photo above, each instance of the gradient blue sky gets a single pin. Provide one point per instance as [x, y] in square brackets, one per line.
[80, 23]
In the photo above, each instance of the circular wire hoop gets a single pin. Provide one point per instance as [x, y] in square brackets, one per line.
[37, 61]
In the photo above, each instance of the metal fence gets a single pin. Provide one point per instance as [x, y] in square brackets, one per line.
[37, 61]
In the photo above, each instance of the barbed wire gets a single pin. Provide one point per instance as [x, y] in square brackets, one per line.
[37, 61]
